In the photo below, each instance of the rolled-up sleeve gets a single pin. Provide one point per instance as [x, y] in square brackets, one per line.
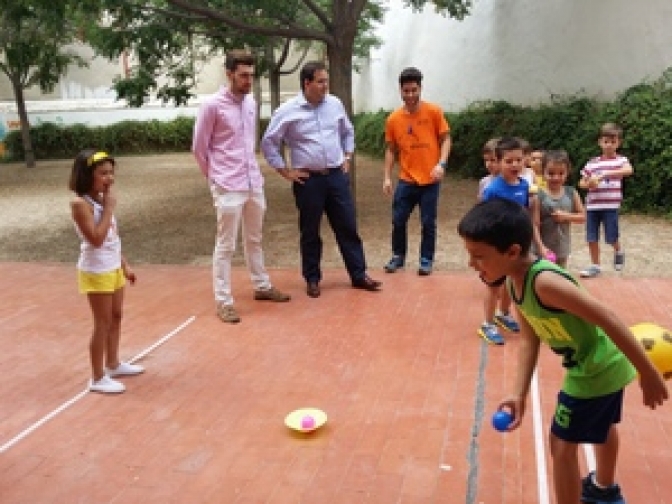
[347, 134]
[203, 127]
[271, 143]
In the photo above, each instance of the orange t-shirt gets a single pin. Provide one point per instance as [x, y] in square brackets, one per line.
[416, 137]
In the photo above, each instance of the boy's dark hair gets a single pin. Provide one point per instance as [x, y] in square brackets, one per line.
[611, 130]
[238, 57]
[308, 72]
[499, 223]
[507, 144]
[556, 156]
[410, 74]
[490, 146]
[81, 177]
[525, 145]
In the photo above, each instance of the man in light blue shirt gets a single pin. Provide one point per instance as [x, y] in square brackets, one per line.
[321, 140]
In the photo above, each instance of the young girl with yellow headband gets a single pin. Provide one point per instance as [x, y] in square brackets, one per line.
[102, 270]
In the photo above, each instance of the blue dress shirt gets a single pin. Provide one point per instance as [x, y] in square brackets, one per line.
[317, 135]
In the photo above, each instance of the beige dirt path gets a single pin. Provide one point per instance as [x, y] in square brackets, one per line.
[166, 217]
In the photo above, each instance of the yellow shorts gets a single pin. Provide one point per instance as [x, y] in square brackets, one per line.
[103, 283]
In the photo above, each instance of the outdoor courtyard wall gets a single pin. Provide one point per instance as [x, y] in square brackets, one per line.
[520, 51]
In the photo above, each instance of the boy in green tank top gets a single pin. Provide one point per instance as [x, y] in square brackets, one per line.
[599, 352]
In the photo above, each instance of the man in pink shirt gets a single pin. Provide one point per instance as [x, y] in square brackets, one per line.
[223, 144]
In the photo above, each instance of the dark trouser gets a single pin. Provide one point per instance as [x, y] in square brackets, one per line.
[406, 197]
[328, 194]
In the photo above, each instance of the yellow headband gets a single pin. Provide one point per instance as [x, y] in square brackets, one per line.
[98, 156]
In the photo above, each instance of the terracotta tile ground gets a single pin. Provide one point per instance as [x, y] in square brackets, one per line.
[407, 385]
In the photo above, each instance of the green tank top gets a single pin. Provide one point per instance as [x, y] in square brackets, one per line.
[595, 365]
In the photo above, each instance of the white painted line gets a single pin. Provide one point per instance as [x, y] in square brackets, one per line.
[83, 393]
[539, 450]
[163, 340]
[42, 421]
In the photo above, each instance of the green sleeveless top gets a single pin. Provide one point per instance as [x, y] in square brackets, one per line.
[595, 365]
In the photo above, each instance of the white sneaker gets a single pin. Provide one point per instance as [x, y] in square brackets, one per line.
[106, 385]
[591, 271]
[125, 369]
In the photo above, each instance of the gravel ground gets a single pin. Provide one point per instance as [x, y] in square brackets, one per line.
[166, 217]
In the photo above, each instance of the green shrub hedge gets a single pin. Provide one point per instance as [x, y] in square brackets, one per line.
[53, 141]
[571, 123]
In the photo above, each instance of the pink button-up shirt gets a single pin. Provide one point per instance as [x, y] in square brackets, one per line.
[224, 140]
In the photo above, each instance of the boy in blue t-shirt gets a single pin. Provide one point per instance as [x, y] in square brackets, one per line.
[509, 185]
[598, 351]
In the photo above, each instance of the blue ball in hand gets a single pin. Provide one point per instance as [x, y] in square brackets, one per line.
[501, 420]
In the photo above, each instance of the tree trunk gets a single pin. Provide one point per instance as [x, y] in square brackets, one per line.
[273, 76]
[257, 92]
[25, 124]
[274, 85]
[340, 56]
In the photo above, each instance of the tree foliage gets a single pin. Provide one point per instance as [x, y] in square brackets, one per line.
[36, 38]
[167, 34]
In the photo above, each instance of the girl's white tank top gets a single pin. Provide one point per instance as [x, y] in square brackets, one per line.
[105, 258]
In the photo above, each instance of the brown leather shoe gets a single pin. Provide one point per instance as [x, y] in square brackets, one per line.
[227, 313]
[367, 283]
[313, 289]
[271, 294]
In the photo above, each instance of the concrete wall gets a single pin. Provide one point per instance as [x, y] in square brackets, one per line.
[522, 51]
[85, 95]
[95, 81]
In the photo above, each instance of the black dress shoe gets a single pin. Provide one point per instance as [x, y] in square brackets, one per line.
[367, 283]
[313, 289]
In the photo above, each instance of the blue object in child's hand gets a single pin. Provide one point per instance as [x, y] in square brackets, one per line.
[501, 420]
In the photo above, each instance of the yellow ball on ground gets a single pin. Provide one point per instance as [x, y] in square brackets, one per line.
[657, 343]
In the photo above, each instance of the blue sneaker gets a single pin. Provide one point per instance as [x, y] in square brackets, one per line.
[490, 334]
[592, 494]
[397, 262]
[506, 321]
[425, 267]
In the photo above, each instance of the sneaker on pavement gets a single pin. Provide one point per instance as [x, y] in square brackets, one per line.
[227, 313]
[619, 261]
[125, 369]
[506, 321]
[425, 268]
[106, 385]
[591, 271]
[592, 494]
[271, 294]
[490, 334]
[397, 262]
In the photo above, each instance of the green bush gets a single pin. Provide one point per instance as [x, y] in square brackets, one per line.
[571, 123]
[52, 141]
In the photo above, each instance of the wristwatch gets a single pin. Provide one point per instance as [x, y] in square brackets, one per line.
[444, 165]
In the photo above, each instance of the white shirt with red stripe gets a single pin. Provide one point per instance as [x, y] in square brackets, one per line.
[609, 192]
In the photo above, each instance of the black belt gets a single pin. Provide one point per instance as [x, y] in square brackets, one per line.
[322, 171]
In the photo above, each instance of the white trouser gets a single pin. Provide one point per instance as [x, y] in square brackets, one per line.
[232, 208]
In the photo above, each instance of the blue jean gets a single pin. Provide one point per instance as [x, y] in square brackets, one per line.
[608, 218]
[406, 197]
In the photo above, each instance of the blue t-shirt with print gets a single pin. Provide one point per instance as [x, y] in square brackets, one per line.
[500, 188]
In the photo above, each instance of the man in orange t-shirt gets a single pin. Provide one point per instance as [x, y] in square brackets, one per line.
[417, 136]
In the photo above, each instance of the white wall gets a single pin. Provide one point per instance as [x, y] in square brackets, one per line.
[85, 96]
[521, 51]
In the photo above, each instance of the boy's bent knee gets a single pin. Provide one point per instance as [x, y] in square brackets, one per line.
[561, 449]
